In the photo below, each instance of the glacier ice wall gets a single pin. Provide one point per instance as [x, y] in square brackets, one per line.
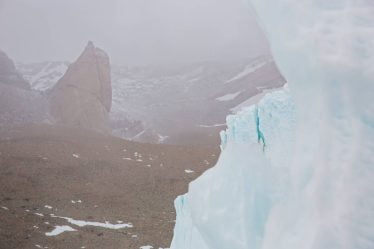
[297, 169]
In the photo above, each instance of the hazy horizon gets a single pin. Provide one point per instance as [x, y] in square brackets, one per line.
[132, 33]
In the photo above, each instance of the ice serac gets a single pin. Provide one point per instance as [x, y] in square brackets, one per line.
[83, 96]
[296, 170]
[235, 197]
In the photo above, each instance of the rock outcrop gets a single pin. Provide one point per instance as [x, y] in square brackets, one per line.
[18, 104]
[83, 96]
[9, 75]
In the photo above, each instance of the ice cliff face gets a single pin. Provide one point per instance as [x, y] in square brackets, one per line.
[296, 170]
[235, 197]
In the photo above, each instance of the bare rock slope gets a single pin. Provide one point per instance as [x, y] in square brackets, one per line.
[83, 96]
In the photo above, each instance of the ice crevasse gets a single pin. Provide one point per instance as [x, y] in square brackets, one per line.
[296, 169]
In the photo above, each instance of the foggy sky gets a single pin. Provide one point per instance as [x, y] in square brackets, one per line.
[131, 31]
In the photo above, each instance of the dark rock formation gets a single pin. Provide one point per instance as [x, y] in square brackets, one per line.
[9, 74]
[18, 104]
[83, 96]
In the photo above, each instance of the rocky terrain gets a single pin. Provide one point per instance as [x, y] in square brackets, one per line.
[187, 103]
[109, 192]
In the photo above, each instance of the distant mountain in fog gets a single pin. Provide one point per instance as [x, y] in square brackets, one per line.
[181, 103]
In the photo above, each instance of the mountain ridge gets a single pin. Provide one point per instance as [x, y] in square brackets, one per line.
[177, 104]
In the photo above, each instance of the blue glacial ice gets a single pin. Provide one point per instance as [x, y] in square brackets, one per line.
[297, 169]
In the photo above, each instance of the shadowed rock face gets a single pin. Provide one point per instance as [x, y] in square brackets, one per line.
[83, 96]
[18, 104]
[9, 74]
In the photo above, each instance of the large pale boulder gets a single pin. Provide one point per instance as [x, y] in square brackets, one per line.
[83, 96]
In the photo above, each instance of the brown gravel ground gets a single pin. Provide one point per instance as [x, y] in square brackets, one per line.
[56, 166]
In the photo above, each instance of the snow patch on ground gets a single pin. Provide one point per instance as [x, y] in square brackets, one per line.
[162, 138]
[138, 135]
[253, 100]
[59, 230]
[228, 97]
[248, 70]
[82, 223]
